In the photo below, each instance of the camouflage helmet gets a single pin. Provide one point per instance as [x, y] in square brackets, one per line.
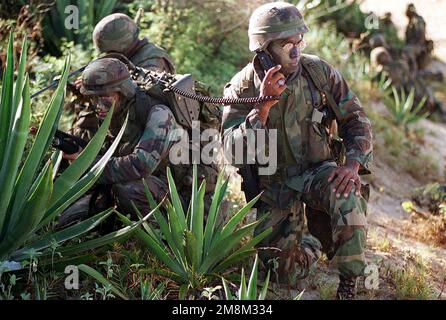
[377, 40]
[410, 10]
[377, 54]
[388, 15]
[271, 21]
[115, 33]
[105, 76]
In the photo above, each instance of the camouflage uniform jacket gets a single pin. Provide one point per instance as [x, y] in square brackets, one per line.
[300, 142]
[416, 31]
[148, 55]
[145, 144]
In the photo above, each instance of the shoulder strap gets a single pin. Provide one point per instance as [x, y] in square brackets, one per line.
[312, 65]
[142, 107]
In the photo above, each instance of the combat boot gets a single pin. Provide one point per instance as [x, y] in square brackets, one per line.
[346, 288]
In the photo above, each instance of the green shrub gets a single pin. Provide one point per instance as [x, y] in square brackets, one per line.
[248, 292]
[347, 15]
[194, 249]
[401, 107]
[207, 39]
[413, 282]
[31, 196]
[90, 13]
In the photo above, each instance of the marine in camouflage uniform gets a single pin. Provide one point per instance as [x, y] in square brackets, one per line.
[416, 28]
[118, 33]
[403, 78]
[305, 160]
[143, 150]
[397, 70]
[418, 48]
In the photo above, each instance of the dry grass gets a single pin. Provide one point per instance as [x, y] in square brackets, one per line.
[413, 280]
[379, 242]
[430, 229]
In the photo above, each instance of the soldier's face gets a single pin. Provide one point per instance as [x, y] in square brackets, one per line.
[287, 52]
[104, 103]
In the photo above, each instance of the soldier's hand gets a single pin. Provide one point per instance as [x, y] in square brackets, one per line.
[71, 157]
[345, 178]
[78, 83]
[272, 85]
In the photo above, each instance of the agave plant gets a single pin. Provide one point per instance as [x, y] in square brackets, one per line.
[248, 292]
[384, 82]
[402, 108]
[31, 196]
[192, 248]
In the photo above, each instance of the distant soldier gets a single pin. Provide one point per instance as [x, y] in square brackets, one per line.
[389, 29]
[377, 40]
[396, 69]
[401, 76]
[425, 58]
[416, 28]
[418, 47]
[118, 33]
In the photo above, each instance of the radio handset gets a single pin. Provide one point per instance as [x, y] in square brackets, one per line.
[266, 61]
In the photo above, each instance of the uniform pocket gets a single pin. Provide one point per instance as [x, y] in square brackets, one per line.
[318, 148]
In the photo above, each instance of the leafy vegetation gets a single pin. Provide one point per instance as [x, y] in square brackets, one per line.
[248, 291]
[346, 14]
[413, 281]
[402, 109]
[32, 193]
[195, 248]
[89, 12]
[212, 46]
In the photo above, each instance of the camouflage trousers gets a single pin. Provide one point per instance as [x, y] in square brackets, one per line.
[120, 194]
[337, 227]
[123, 195]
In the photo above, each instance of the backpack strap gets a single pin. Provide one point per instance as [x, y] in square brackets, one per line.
[313, 91]
[143, 104]
[312, 64]
[313, 68]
